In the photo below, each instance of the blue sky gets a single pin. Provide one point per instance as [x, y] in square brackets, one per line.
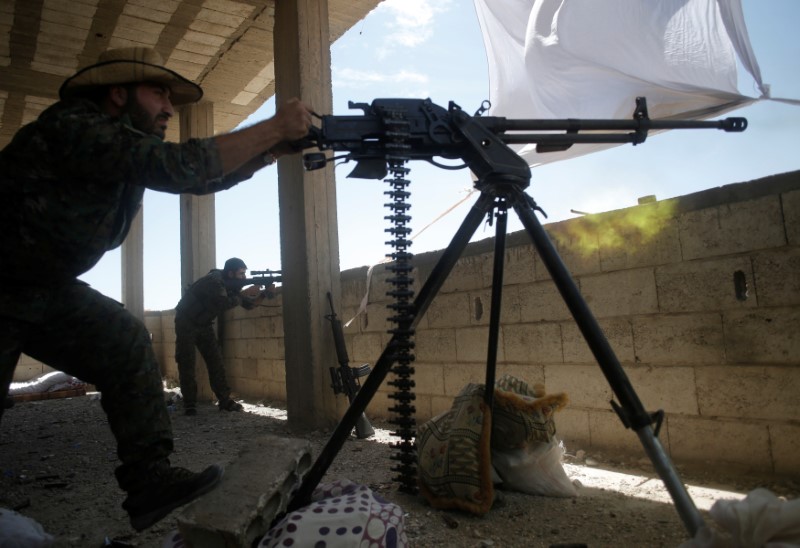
[434, 48]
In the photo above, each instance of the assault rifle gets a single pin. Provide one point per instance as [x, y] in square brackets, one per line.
[262, 278]
[344, 379]
[418, 129]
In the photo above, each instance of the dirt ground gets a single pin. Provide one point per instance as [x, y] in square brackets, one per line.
[57, 459]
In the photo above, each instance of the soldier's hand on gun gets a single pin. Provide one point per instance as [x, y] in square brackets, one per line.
[270, 292]
[252, 292]
[294, 120]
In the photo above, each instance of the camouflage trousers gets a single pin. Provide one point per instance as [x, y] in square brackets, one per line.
[189, 335]
[79, 331]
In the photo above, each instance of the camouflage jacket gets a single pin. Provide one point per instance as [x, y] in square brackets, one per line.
[209, 297]
[72, 181]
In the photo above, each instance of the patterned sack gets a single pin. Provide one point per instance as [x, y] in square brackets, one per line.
[342, 514]
[454, 455]
[455, 448]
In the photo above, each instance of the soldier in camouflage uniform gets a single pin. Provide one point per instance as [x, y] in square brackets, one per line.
[71, 182]
[203, 301]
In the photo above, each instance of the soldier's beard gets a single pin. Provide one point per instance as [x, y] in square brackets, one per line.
[143, 120]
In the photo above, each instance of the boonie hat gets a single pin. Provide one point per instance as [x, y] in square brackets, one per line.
[128, 65]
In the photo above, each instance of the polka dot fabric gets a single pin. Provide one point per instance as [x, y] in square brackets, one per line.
[342, 514]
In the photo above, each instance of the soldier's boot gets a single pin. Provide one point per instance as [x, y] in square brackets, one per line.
[229, 404]
[165, 489]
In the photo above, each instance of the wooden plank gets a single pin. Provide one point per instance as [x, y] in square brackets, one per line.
[54, 395]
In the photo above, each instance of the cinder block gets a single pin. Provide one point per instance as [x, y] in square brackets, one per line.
[467, 274]
[353, 290]
[577, 244]
[705, 285]
[541, 301]
[720, 442]
[449, 310]
[777, 277]
[481, 305]
[274, 348]
[250, 368]
[248, 327]
[791, 216]
[367, 348]
[234, 368]
[635, 237]
[439, 405]
[519, 267]
[264, 370]
[277, 370]
[732, 228]
[380, 403]
[457, 376]
[671, 388]
[249, 388]
[472, 344]
[233, 329]
[429, 378]
[785, 445]
[254, 490]
[618, 331]
[376, 318]
[422, 405]
[572, 427]
[236, 348]
[742, 392]
[609, 434]
[531, 374]
[254, 348]
[678, 339]
[621, 293]
[770, 336]
[585, 385]
[532, 343]
[436, 345]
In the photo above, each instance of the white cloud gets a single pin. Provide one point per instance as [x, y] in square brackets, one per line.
[411, 21]
[353, 78]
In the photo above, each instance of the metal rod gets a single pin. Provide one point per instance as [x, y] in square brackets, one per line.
[497, 296]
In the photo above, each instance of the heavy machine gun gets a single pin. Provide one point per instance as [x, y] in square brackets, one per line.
[392, 132]
[418, 129]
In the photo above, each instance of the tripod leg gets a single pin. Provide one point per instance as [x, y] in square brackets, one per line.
[368, 388]
[497, 297]
[632, 413]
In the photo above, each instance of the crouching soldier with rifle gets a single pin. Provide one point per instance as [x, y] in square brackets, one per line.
[204, 300]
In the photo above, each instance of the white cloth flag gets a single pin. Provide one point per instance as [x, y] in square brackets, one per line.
[591, 59]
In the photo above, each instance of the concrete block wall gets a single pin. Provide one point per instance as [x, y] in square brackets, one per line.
[699, 297]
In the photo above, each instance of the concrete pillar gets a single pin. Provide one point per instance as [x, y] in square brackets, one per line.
[132, 258]
[309, 238]
[198, 225]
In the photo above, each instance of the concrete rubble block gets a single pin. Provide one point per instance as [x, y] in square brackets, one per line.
[255, 489]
